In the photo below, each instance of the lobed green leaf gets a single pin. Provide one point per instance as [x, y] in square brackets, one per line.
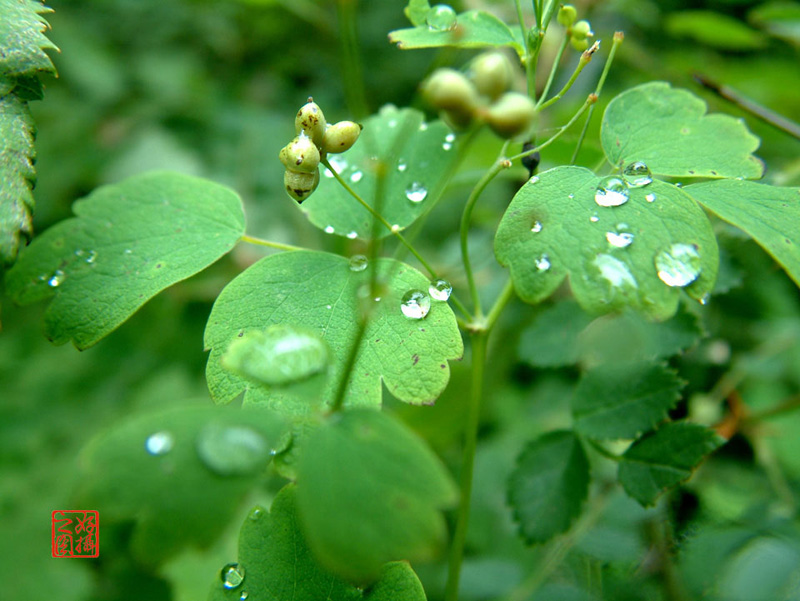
[665, 458]
[416, 158]
[128, 242]
[767, 213]
[553, 228]
[416, 11]
[22, 39]
[549, 485]
[380, 503]
[668, 129]
[321, 293]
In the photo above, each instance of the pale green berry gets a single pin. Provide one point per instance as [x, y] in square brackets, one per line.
[458, 120]
[512, 115]
[301, 154]
[567, 15]
[300, 185]
[579, 45]
[341, 136]
[492, 74]
[450, 90]
[311, 120]
[581, 30]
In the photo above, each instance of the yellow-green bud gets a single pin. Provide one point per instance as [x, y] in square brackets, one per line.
[492, 74]
[579, 45]
[512, 115]
[311, 120]
[301, 154]
[582, 30]
[567, 15]
[341, 136]
[300, 185]
[449, 90]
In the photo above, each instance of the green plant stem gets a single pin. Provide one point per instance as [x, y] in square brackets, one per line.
[338, 400]
[553, 69]
[787, 406]
[467, 465]
[269, 243]
[585, 59]
[662, 540]
[618, 37]
[505, 296]
[352, 72]
[521, 19]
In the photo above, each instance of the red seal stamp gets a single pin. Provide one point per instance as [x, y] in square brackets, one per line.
[76, 533]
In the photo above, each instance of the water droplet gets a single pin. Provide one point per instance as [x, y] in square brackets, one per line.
[91, 256]
[441, 18]
[257, 512]
[352, 235]
[56, 279]
[703, 300]
[338, 163]
[542, 263]
[415, 304]
[395, 228]
[611, 192]
[392, 123]
[440, 289]
[159, 443]
[356, 176]
[231, 450]
[679, 265]
[401, 165]
[451, 137]
[614, 270]
[358, 263]
[416, 192]
[447, 146]
[570, 196]
[594, 218]
[423, 126]
[536, 227]
[620, 240]
[533, 179]
[128, 251]
[328, 306]
[650, 197]
[637, 174]
[329, 229]
[678, 185]
[79, 253]
[232, 575]
[243, 596]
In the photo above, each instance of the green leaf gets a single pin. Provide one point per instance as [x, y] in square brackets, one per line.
[552, 338]
[549, 485]
[17, 153]
[474, 29]
[669, 131]
[767, 213]
[320, 292]
[553, 228]
[416, 11]
[22, 39]
[623, 400]
[179, 475]
[129, 241]
[665, 458]
[397, 582]
[715, 30]
[417, 158]
[380, 503]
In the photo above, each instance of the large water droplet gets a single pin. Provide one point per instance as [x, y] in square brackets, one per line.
[280, 355]
[542, 263]
[536, 227]
[441, 18]
[232, 450]
[679, 265]
[637, 174]
[620, 240]
[356, 176]
[232, 575]
[358, 263]
[159, 443]
[56, 279]
[416, 192]
[611, 192]
[614, 270]
[440, 289]
[415, 304]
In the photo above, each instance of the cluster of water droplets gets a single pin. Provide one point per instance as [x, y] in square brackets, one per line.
[614, 190]
[416, 304]
[82, 258]
[441, 17]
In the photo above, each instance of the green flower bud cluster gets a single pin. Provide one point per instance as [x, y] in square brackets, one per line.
[314, 140]
[482, 95]
[579, 34]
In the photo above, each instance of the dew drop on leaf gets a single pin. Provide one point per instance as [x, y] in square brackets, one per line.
[338, 163]
[243, 596]
[542, 263]
[594, 218]
[611, 192]
[91, 257]
[329, 229]
[679, 265]
[637, 174]
[536, 227]
[401, 165]
[356, 176]
[256, 513]
[56, 279]
[650, 197]
[232, 575]
[352, 235]
[614, 271]
[358, 263]
[620, 240]
[416, 192]
[440, 290]
[231, 450]
[533, 179]
[441, 18]
[159, 443]
[415, 304]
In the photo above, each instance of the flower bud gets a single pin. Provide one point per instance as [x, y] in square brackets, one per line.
[582, 30]
[300, 155]
[311, 120]
[300, 185]
[449, 90]
[567, 15]
[579, 45]
[341, 136]
[513, 114]
[492, 74]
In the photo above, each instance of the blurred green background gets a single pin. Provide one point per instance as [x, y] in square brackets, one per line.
[210, 88]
